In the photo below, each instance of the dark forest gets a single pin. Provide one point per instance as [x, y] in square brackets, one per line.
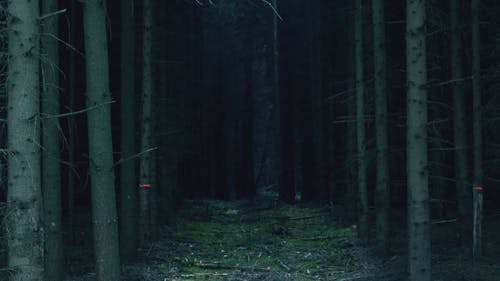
[249, 140]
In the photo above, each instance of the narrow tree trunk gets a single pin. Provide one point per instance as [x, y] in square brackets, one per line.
[128, 181]
[51, 155]
[381, 139]
[477, 122]
[360, 123]
[276, 91]
[459, 127]
[146, 123]
[71, 147]
[419, 253]
[102, 176]
[351, 160]
[24, 230]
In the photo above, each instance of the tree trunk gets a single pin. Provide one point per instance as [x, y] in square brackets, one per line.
[24, 230]
[102, 176]
[128, 181]
[71, 147]
[360, 123]
[51, 155]
[459, 127]
[381, 139]
[146, 161]
[477, 122]
[419, 253]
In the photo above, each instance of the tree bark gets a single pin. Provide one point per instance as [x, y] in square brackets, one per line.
[360, 123]
[477, 120]
[419, 253]
[104, 220]
[24, 230]
[128, 181]
[381, 138]
[146, 176]
[459, 127]
[51, 155]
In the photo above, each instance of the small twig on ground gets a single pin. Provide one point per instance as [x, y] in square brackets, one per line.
[308, 217]
[444, 221]
[203, 274]
[228, 266]
[323, 237]
[286, 267]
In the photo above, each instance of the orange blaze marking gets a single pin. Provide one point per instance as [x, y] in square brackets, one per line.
[144, 185]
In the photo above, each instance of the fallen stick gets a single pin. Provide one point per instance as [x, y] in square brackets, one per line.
[308, 217]
[203, 274]
[444, 221]
[228, 266]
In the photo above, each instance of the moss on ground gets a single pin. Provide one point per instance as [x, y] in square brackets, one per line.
[220, 240]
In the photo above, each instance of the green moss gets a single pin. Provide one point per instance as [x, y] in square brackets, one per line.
[239, 238]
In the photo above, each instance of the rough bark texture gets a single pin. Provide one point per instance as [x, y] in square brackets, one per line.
[146, 160]
[128, 181]
[419, 253]
[360, 123]
[24, 231]
[104, 220]
[381, 139]
[51, 155]
[477, 122]
[459, 127]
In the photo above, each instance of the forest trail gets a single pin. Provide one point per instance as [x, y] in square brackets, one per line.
[265, 240]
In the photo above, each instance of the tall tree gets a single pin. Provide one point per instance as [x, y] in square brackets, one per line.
[146, 161]
[477, 120]
[24, 230]
[104, 220]
[459, 124]
[381, 139]
[72, 140]
[51, 153]
[128, 214]
[419, 252]
[360, 123]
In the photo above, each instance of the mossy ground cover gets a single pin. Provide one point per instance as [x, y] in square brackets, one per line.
[220, 240]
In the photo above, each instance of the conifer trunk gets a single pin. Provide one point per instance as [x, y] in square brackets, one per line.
[381, 138]
[477, 120]
[419, 253]
[360, 123]
[145, 174]
[104, 217]
[51, 155]
[128, 181]
[24, 230]
[459, 127]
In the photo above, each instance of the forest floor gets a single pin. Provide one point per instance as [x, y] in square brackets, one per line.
[269, 240]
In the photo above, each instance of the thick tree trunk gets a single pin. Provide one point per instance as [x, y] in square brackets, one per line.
[102, 176]
[419, 252]
[381, 139]
[24, 230]
[128, 181]
[360, 123]
[477, 120]
[459, 127]
[51, 155]
[146, 161]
